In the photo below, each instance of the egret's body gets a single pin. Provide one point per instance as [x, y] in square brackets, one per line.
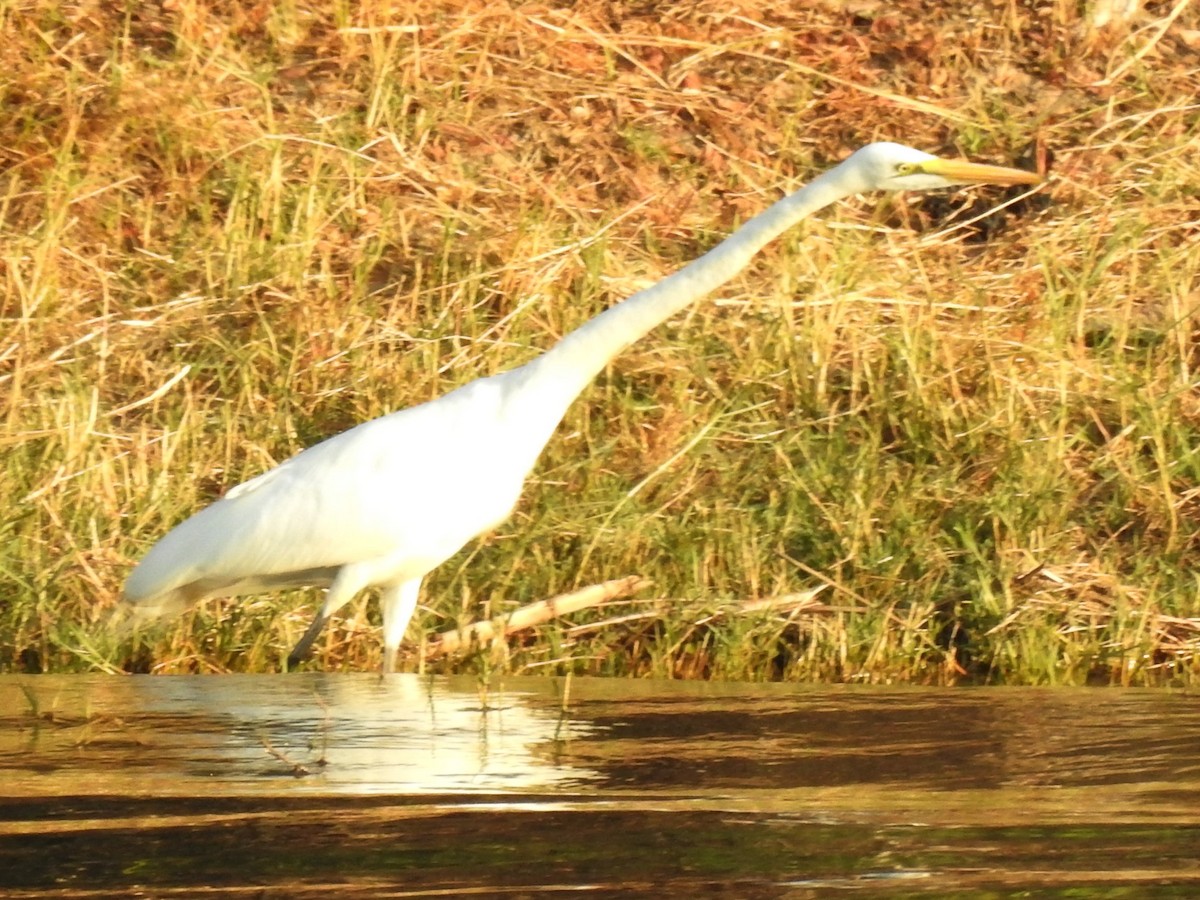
[382, 504]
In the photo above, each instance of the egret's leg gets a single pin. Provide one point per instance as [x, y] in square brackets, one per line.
[399, 602]
[348, 582]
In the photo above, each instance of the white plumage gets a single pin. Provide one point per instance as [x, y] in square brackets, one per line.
[382, 504]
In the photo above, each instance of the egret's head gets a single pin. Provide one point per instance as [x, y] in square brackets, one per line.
[893, 167]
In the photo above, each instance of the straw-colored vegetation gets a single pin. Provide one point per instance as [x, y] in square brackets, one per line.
[231, 230]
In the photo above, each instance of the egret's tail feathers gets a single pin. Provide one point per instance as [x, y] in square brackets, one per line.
[136, 615]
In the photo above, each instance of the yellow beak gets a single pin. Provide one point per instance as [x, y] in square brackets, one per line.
[963, 172]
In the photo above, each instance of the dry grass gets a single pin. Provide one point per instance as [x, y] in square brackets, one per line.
[231, 231]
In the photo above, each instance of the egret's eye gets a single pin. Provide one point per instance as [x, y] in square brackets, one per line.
[906, 169]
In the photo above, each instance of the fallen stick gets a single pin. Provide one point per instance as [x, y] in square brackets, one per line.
[789, 605]
[533, 614]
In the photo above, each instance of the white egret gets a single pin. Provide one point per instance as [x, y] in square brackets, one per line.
[382, 504]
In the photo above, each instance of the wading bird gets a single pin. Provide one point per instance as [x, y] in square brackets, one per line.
[382, 504]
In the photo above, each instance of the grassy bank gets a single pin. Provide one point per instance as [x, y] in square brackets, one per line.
[229, 234]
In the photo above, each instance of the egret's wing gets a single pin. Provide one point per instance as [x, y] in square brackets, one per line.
[406, 483]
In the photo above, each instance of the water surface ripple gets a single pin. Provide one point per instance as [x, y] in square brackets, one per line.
[358, 785]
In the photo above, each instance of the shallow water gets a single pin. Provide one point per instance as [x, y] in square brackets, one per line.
[357, 785]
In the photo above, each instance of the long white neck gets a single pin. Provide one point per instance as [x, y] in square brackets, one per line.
[557, 377]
